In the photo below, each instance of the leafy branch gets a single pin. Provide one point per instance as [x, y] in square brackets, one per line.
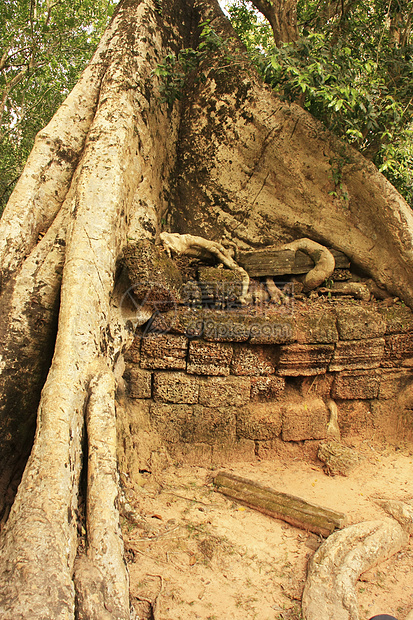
[351, 67]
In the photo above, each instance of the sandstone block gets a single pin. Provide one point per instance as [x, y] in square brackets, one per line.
[140, 382]
[154, 277]
[137, 420]
[304, 359]
[359, 384]
[175, 387]
[357, 354]
[164, 351]
[185, 321]
[358, 323]
[387, 420]
[224, 391]
[398, 349]
[259, 421]
[253, 360]
[354, 417]
[226, 326]
[338, 458]
[392, 382]
[193, 424]
[267, 388]
[219, 285]
[174, 422]
[209, 358]
[240, 450]
[214, 425]
[199, 454]
[399, 318]
[317, 385]
[316, 326]
[306, 419]
[272, 329]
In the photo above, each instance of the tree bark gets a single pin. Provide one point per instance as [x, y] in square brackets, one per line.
[333, 571]
[127, 153]
[282, 15]
[230, 161]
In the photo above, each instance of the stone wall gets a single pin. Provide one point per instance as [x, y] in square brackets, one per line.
[228, 384]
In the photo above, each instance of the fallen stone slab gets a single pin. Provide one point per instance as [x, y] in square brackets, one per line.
[329, 591]
[293, 510]
[274, 261]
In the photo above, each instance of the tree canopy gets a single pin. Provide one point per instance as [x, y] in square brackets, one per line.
[44, 46]
[351, 66]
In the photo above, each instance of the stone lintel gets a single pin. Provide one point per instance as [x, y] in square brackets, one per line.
[357, 354]
[304, 359]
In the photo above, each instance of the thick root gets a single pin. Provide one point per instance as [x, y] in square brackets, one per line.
[402, 512]
[45, 181]
[101, 578]
[322, 257]
[28, 330]
[329, 591]
[197, 246]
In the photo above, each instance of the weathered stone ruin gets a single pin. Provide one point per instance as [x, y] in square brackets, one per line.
[215, 385]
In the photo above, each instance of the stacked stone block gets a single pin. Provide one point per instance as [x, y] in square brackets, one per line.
[222, 382]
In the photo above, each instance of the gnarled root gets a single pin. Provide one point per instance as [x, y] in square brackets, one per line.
[276, 295]
[198, 246]
[101, 578]
[329, 591]
[322, 257]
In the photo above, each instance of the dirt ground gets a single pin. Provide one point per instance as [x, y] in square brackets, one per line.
[193, 553]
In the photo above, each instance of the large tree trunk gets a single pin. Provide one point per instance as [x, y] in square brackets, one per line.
[229, 161]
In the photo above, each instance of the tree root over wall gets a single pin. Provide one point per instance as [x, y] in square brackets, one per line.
[104, 172]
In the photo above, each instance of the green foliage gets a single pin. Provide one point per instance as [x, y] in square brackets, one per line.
[176, 68]
[44, 46]
[352, 68]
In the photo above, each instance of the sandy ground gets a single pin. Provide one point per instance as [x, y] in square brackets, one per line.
[193, 553]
